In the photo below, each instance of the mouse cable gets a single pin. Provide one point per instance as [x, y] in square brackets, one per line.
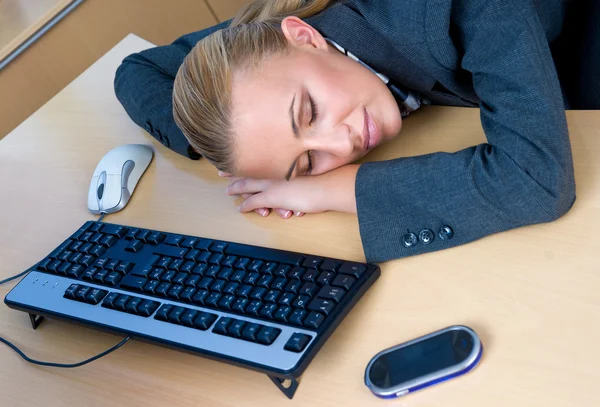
[53, 364]
[65, 365]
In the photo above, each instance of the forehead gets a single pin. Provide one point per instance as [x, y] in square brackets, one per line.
[261, 123]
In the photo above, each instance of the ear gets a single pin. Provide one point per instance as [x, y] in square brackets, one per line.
[298, 33]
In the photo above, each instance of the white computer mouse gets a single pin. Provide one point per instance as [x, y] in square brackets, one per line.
[116, 176]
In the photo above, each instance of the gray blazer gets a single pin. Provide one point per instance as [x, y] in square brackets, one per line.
[491, 54]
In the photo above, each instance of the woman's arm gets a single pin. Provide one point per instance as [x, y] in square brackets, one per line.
[144, 86]
[523, 175]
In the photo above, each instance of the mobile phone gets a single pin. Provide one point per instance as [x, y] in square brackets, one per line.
[423, 361]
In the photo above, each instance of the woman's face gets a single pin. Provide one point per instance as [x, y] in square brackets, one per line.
[309, 111]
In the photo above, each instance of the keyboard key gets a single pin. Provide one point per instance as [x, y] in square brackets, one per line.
[264, 254]
[175, 291]
[270, 267]
[53, 267]
[164, 262]
[199, 269]
[121, 302]
[297, 317]
[63, 268]
[231, 288]
[236, 328]
[64, 255]
[70, 292]
[325, 277]
[86, 248]
[96, 237]
[212, 271]
[265, 281]
[229, 261]
[343, 280]
[296, 273]
[293, 286]
[181, 278]
[135, 246]
[124, 267]
[204, 320]
[203, 244]
[353, 269]
[216, 259]
[114, 230]
[279, 284]
[187, 267]
[108, 241]
[156, 274]
[312, 261]
[330, 265]
[156, 237]
[150, 287]
[268, 311]
[251, 331]
[131, 234]
[282, 271]
[205, 283]
[109, 301]
[168, 276]
[240, 305]
[187, 294]
[287, 299]
[253, 308]
[162, 289]
[89, 274]
[256, 266]
[225, 273]
[226, 302]
[163, 312]
[258, 293]
[321, 305]
[112, 278]
[190, 242]
[143, 235]
[314, 320]
[74, 247]
[174, 240]
[111, 264]
[200, 297]
[192, 255]
[213, 300]
[188, 317]
[75, 270]
[204, 256]
[272, 296]
[176, 314]
[192, 280]
[133, 304]
[142, 272]
[176, 264]
[101, 263]
[267, 335]
[309, 289]
[98, 250]
[43, 265]
[297, 342]
[282, 313]
[96, 226]
[310, 275]
[170, 251]
[95, 295]
[73, 258]
[222, 325]
[238, 276]
[218, 247]
[333, 293]
[244, 291]
[242, 263]
[218, 285]
[147, 307]
[133, 283]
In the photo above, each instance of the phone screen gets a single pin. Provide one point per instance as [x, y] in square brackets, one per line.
[421, 358]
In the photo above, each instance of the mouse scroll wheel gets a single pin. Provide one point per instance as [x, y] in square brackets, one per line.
[100, 190]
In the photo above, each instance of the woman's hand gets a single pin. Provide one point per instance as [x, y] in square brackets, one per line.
[333, 190]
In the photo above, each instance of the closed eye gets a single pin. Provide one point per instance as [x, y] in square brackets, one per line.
[313, 109]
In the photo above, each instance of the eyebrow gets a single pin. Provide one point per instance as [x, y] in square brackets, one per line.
[296, 134]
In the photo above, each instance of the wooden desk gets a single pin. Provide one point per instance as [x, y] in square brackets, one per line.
[533, 294]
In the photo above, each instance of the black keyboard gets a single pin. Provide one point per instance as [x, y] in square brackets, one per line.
[264, 309]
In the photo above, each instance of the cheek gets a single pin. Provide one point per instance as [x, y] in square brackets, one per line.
[326, 162]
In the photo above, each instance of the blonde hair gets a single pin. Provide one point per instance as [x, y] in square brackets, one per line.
[202, 89]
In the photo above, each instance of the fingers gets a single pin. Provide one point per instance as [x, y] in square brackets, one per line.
[284, 213]
[264, 212]
[224, 174]
[248, 186]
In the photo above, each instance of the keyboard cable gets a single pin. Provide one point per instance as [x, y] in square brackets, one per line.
[53, 364]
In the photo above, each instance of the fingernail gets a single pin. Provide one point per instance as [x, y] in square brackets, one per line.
[298, 213]
[287, 214]
[220, 173]
[263, 212]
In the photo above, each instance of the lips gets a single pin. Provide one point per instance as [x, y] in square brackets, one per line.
[370, 133]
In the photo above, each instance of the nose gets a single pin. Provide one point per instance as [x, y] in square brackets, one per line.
[338, 141]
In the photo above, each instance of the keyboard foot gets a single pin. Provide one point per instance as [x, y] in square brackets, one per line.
[35, 320]
[288, 390]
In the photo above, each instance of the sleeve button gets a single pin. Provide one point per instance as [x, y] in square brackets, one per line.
[409, 240]
[446, 233]
[426, 236]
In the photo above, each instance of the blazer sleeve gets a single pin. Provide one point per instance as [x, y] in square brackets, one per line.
[144, 86]
[523, 175]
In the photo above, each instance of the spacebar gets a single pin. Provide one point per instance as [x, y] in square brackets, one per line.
[264, 253]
